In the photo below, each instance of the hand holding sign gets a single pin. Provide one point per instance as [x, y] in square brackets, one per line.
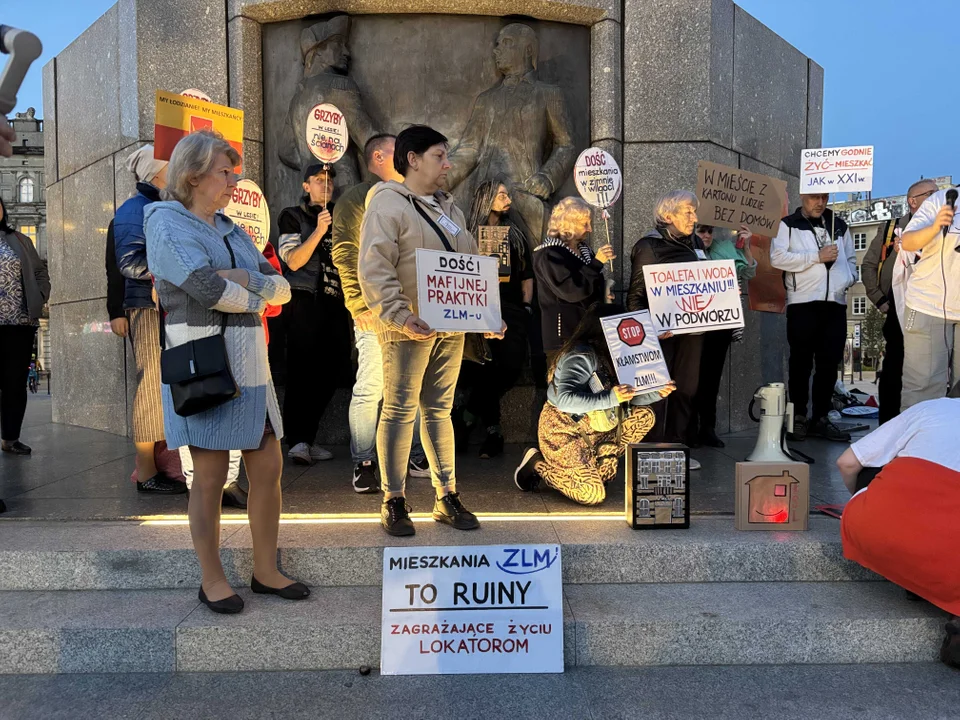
[636, 354]
[599, 182]
[327, 135]
[416, 329]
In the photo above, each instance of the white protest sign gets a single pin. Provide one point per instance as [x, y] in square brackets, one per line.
[196, 94]
[248, 209]
[458, 292]
[636, 351]
[693, 297]
[327, 135]
[833, 170]
[474, 609]
[598, 177]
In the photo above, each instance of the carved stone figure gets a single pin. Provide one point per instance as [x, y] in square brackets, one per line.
[519, 128]
[326, 59]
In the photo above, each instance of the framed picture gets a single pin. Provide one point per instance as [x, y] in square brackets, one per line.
[658, 486]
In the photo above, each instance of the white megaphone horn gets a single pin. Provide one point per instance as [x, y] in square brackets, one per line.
[776, 418]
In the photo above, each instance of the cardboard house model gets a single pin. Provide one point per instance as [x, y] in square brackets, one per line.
[658, 491]
[772, 496]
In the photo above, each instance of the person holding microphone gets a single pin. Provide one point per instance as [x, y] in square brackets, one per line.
[931, 317]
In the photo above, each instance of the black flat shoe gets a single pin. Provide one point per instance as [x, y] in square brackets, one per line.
[3, 506]
[228, 606]
[293, 591]
[234, 496]
[160, 485]
[17, 448]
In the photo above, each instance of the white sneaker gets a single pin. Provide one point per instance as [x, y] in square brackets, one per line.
[694, 464]
[320, 453]
[300, 454]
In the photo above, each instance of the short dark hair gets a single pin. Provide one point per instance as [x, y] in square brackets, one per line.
[373, 144]
[415, 139]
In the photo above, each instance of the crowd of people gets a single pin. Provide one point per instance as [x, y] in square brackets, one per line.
[343, 279]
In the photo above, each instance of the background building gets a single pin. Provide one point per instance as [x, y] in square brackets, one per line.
[22, 188]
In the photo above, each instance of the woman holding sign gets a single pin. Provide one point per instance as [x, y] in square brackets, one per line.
[569, 274]
[583, 430]
[672, 241]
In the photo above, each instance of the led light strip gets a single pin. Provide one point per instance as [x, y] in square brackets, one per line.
[364, 519]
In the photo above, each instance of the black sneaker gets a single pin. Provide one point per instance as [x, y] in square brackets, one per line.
[492, 446]
[451, 511]
[418, 468]
[395, 517]
[3, 506]
[950, 650]
[365, 477]
[159, 485]
[824, 428]
[526, 476]
[234, 496]
[799, 433]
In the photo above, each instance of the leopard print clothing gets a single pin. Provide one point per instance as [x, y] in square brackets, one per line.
[577, 460]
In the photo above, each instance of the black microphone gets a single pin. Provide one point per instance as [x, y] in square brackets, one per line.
[951, 201]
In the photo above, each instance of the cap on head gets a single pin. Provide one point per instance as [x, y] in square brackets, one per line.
[315, 169]
[320, 32]
[143, 164]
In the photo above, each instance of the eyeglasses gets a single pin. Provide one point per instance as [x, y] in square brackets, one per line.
[927, 194]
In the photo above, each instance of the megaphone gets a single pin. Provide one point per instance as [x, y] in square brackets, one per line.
[776, 416]
[23, 48]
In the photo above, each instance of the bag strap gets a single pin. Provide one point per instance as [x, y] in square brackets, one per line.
[431, 223]
[223, 322]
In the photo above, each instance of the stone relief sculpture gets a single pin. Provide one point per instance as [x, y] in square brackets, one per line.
[326, 59]
[519, 128]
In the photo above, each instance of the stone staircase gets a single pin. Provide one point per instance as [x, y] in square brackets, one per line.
[122, 597]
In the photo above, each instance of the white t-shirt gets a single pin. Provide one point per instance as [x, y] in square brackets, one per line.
[928, 431]
[925, 292]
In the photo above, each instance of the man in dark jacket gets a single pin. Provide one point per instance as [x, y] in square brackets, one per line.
[368, 387]
[877, 274]
[317, 322]
[143, 319]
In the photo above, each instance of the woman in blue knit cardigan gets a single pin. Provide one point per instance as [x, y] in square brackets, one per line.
[189, 249]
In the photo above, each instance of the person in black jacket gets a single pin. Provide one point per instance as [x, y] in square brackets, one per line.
[569, 275]
[672, 241]
[317, 321]
[115, 288]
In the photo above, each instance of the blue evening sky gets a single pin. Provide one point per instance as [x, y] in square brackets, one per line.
[882, 68]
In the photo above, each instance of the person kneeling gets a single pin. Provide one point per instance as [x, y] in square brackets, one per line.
[583, 427]
[901, 522]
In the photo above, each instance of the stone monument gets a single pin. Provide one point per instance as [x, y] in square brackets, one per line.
[521, 129]
[326, 59]
[658, 85]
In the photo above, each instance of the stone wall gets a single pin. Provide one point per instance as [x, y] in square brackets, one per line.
[670, 82]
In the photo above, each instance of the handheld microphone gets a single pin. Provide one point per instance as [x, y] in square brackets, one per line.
[951, 201]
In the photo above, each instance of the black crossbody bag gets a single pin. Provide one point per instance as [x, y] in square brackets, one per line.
[198, 372]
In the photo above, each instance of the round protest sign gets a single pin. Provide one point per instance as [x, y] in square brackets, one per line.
[598, 177]
[196, 95]
[327, 135]
[248, 209]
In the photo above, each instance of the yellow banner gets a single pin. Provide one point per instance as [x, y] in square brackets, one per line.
[177, 115]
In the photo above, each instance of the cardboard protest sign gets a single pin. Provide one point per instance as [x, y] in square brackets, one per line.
[766, 289]
[248, 209]
[833, 170]
[730, 197]
[327, 135]
[693, 297]
[494, 241]
[598, 177]
[457, 292]
[635, 350]
[476, 609]
[196, 94]
[178, 115]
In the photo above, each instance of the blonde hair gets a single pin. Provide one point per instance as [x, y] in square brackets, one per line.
[192, 158]
[671, 202]
[569, 219]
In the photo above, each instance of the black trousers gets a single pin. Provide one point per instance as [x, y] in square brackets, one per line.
[673, 415]
[486, 384]
[890, 384]
[318, 352]
[816, 333]
[16, 347]
[713, 356]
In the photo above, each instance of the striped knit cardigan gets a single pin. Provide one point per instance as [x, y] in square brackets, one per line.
[184, 254]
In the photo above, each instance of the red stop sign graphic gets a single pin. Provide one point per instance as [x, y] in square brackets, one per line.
[631, 332]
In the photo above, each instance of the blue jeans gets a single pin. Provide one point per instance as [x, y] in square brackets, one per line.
[365, 403]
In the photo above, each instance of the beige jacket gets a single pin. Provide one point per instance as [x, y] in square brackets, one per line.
[391, 232]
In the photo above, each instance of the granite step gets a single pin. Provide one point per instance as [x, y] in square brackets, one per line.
[130, 555]
[604, 625]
